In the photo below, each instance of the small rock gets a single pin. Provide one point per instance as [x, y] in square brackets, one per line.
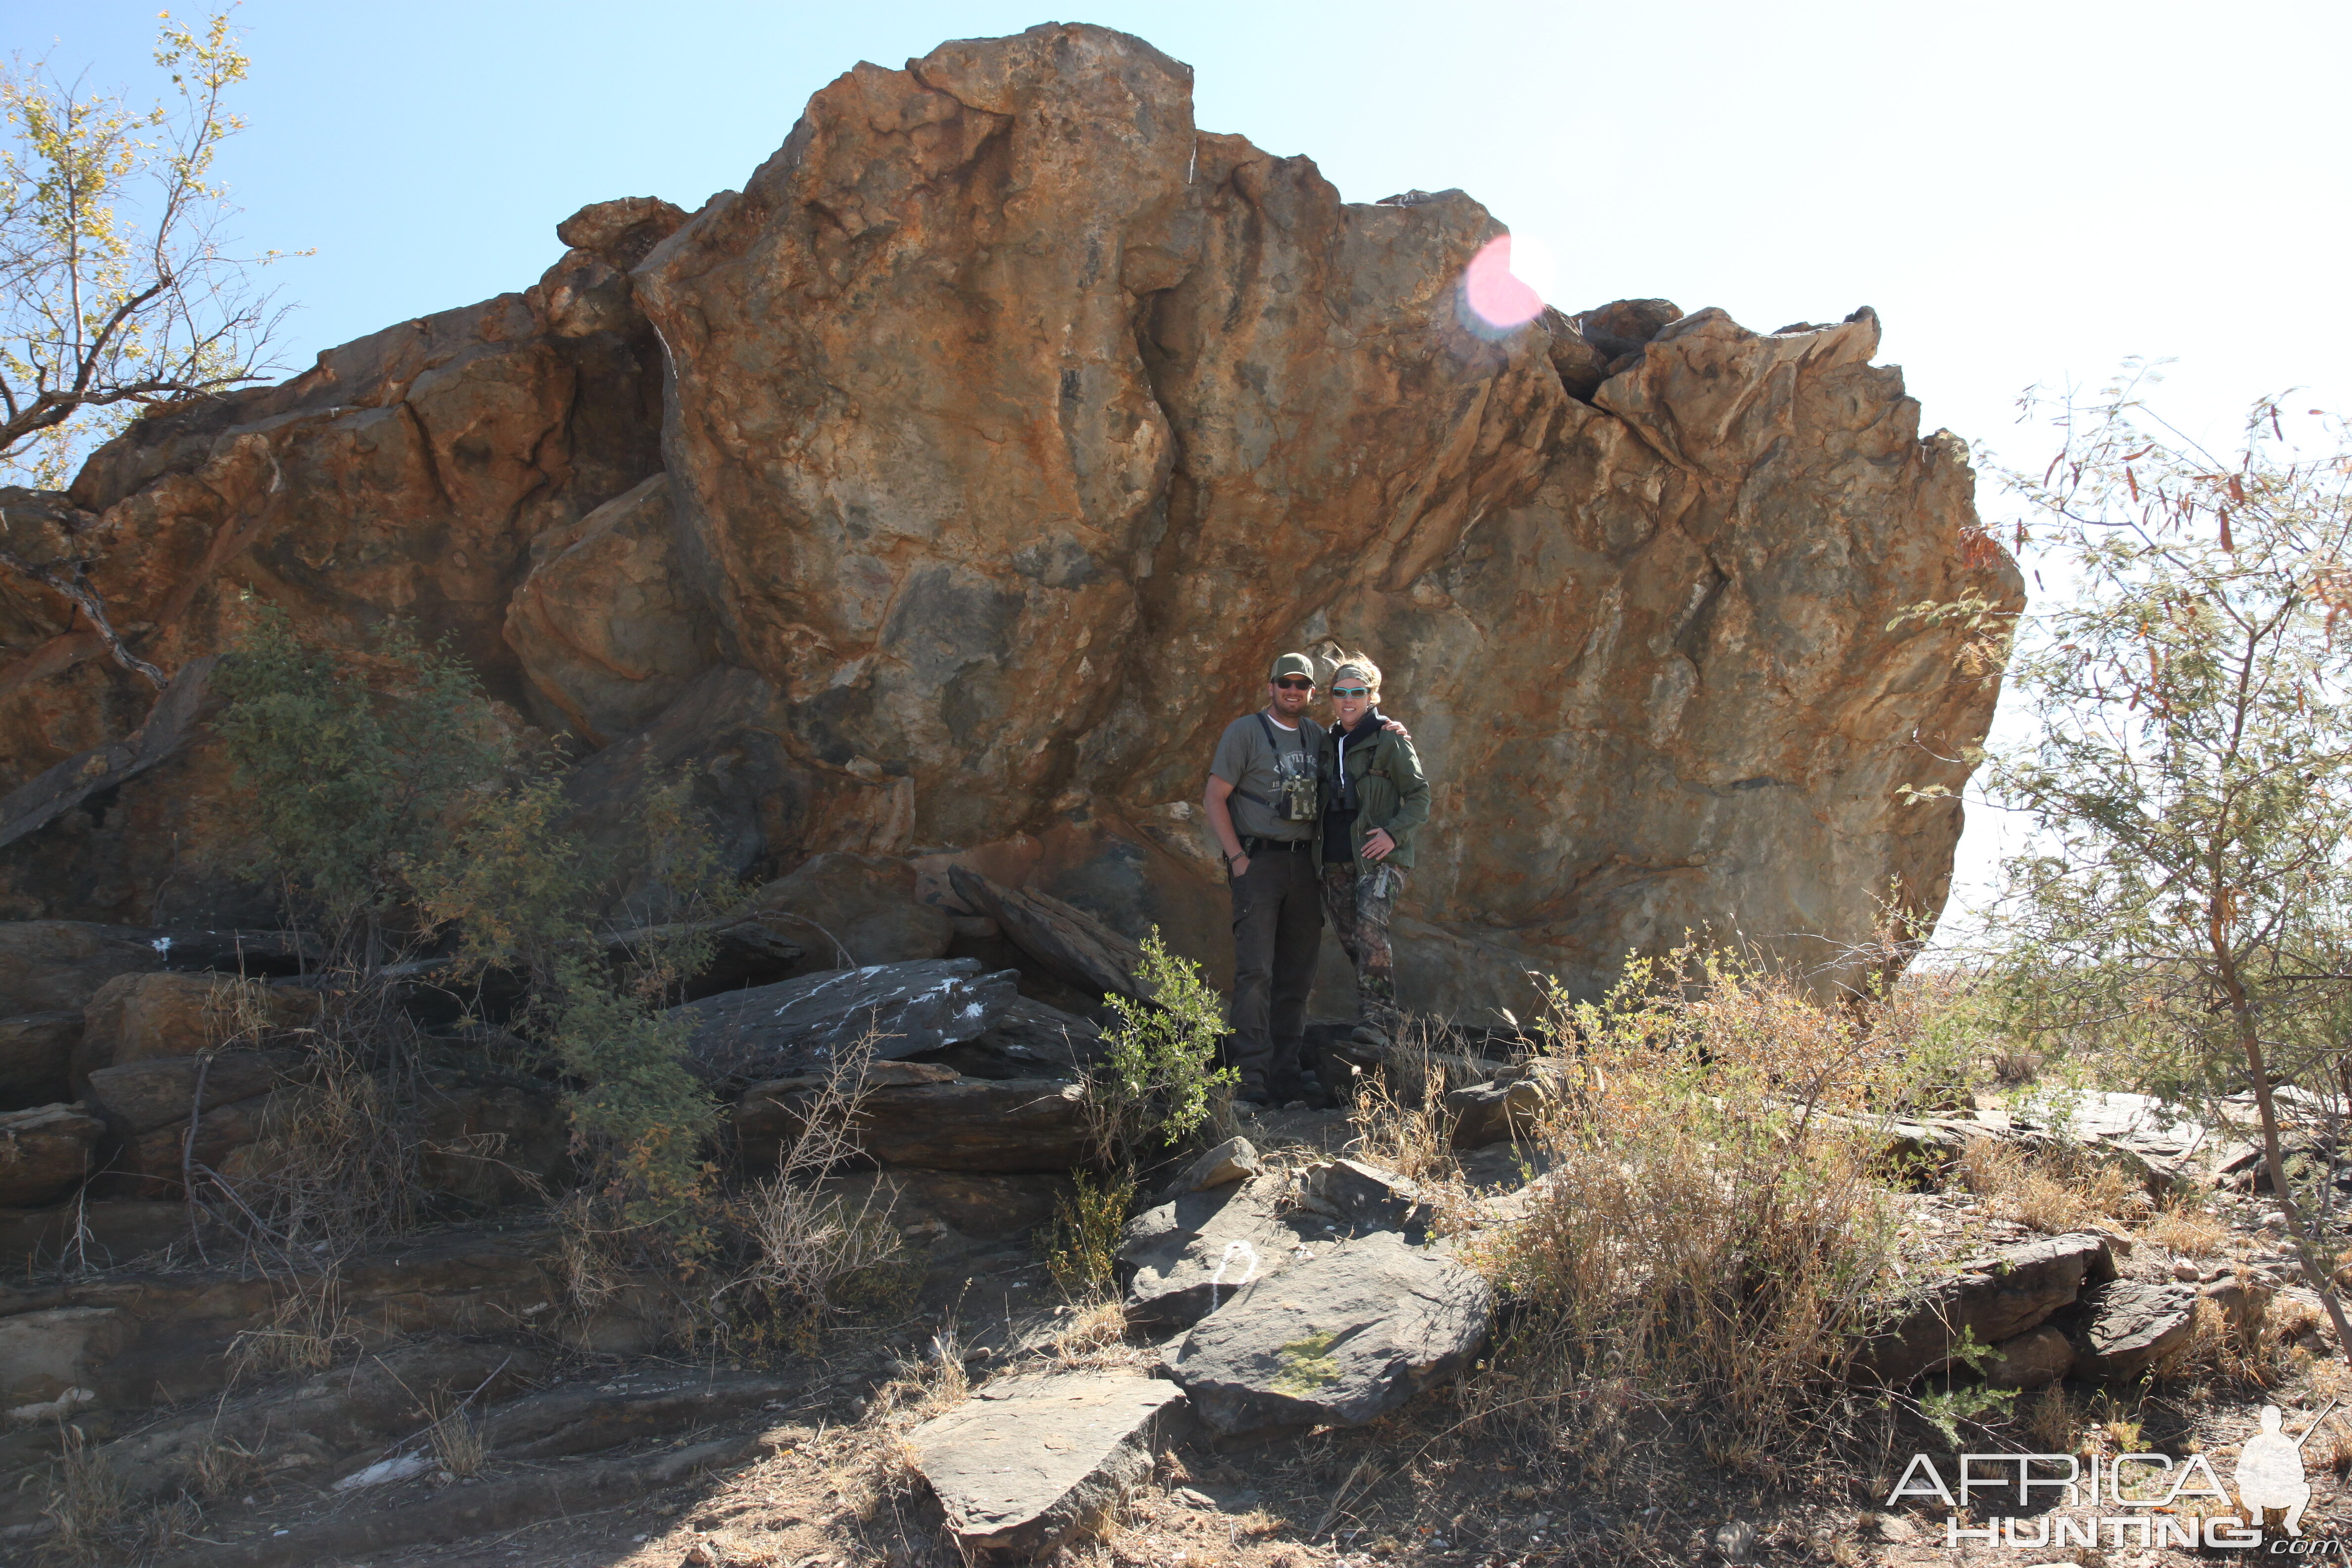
[1196, 1498]
[1736, 1542]
[1234, 1160]
[2031, 1360]
[2185, 1271]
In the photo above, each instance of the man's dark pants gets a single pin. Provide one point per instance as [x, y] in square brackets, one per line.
[1277, 934]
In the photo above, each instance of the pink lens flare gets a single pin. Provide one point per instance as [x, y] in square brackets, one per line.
[1496, 295]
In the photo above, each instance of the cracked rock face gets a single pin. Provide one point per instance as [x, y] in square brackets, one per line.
[1014, 423]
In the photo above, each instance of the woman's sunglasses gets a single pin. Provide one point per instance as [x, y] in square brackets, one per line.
[1351, 691]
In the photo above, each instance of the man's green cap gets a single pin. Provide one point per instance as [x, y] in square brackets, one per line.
[1292, 664]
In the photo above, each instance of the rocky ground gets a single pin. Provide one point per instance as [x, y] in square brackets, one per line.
[616, 1458]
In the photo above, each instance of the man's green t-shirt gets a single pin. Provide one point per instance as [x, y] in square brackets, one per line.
[1246, 762]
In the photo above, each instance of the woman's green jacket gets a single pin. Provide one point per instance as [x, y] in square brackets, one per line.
[1391, 790]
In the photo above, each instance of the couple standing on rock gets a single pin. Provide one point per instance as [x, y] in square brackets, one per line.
[1312, 821]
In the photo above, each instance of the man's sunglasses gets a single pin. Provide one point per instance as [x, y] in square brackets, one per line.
[1291, 683]
[1351, 691]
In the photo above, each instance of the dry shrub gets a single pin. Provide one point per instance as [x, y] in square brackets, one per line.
[809, 1254]
[1400, 1115]
[2051, 1187]
[1707, 1241]
[1082, 1248]
[2052, 1419]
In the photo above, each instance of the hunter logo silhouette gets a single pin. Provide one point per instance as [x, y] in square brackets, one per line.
[2269, 1470]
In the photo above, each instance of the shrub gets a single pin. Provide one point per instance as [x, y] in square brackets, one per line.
[1706, 1240]
[353, 769]
[1162, 1079]
[1084, 1244]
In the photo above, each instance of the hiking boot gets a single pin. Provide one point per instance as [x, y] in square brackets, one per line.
[1370, 1037]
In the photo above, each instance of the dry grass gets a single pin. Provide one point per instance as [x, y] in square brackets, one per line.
[1095, 1334]
[1701, 1250]
[2055, 1189]
[1399, 1117]
[2188, 1229]
[458, 1442]
[307, 1329]
[90, 1504]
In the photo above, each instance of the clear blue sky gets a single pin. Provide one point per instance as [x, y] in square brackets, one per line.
[2028, 193]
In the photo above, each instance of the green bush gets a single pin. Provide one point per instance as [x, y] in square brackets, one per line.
[385, 790]
[349, 779]
[1162, 1079]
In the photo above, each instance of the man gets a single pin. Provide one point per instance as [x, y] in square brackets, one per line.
[1261, 801]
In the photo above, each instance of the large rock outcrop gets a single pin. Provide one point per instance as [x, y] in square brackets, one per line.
[1011, 425]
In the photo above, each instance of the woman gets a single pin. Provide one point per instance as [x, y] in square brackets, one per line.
[1374, 796]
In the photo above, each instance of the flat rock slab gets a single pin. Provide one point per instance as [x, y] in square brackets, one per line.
[1041, 1461]
[1185, 1258]
[1996, 1300]
[1071, 946]
[2125, 1326]
[1030, 1040]
[139, 1097]
[806, 1024]
[978, 1125]
[1338, 1339]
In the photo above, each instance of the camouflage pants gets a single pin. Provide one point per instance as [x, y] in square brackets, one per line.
[1359, 907]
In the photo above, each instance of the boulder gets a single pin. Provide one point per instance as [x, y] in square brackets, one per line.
[1506, 1107]
[605, 631]
[1067, 943]
[920, 1116]
[2125, 1326]
[968, 554]
[45, 1153]
[807, 1024]
[1365, 1196]
[93, 1232]
[1995, 1299]
[1031, 1464]
[745, 950]
[1339, 1339]
[856, 910]
[52, 966]
[48, 1353]
[491, 1145]
[1029, 1039]
[149, 1017]
[2030, 1360]
[983, 1206]
[1185, 1258]
[978, 1125]
[36, 1057]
